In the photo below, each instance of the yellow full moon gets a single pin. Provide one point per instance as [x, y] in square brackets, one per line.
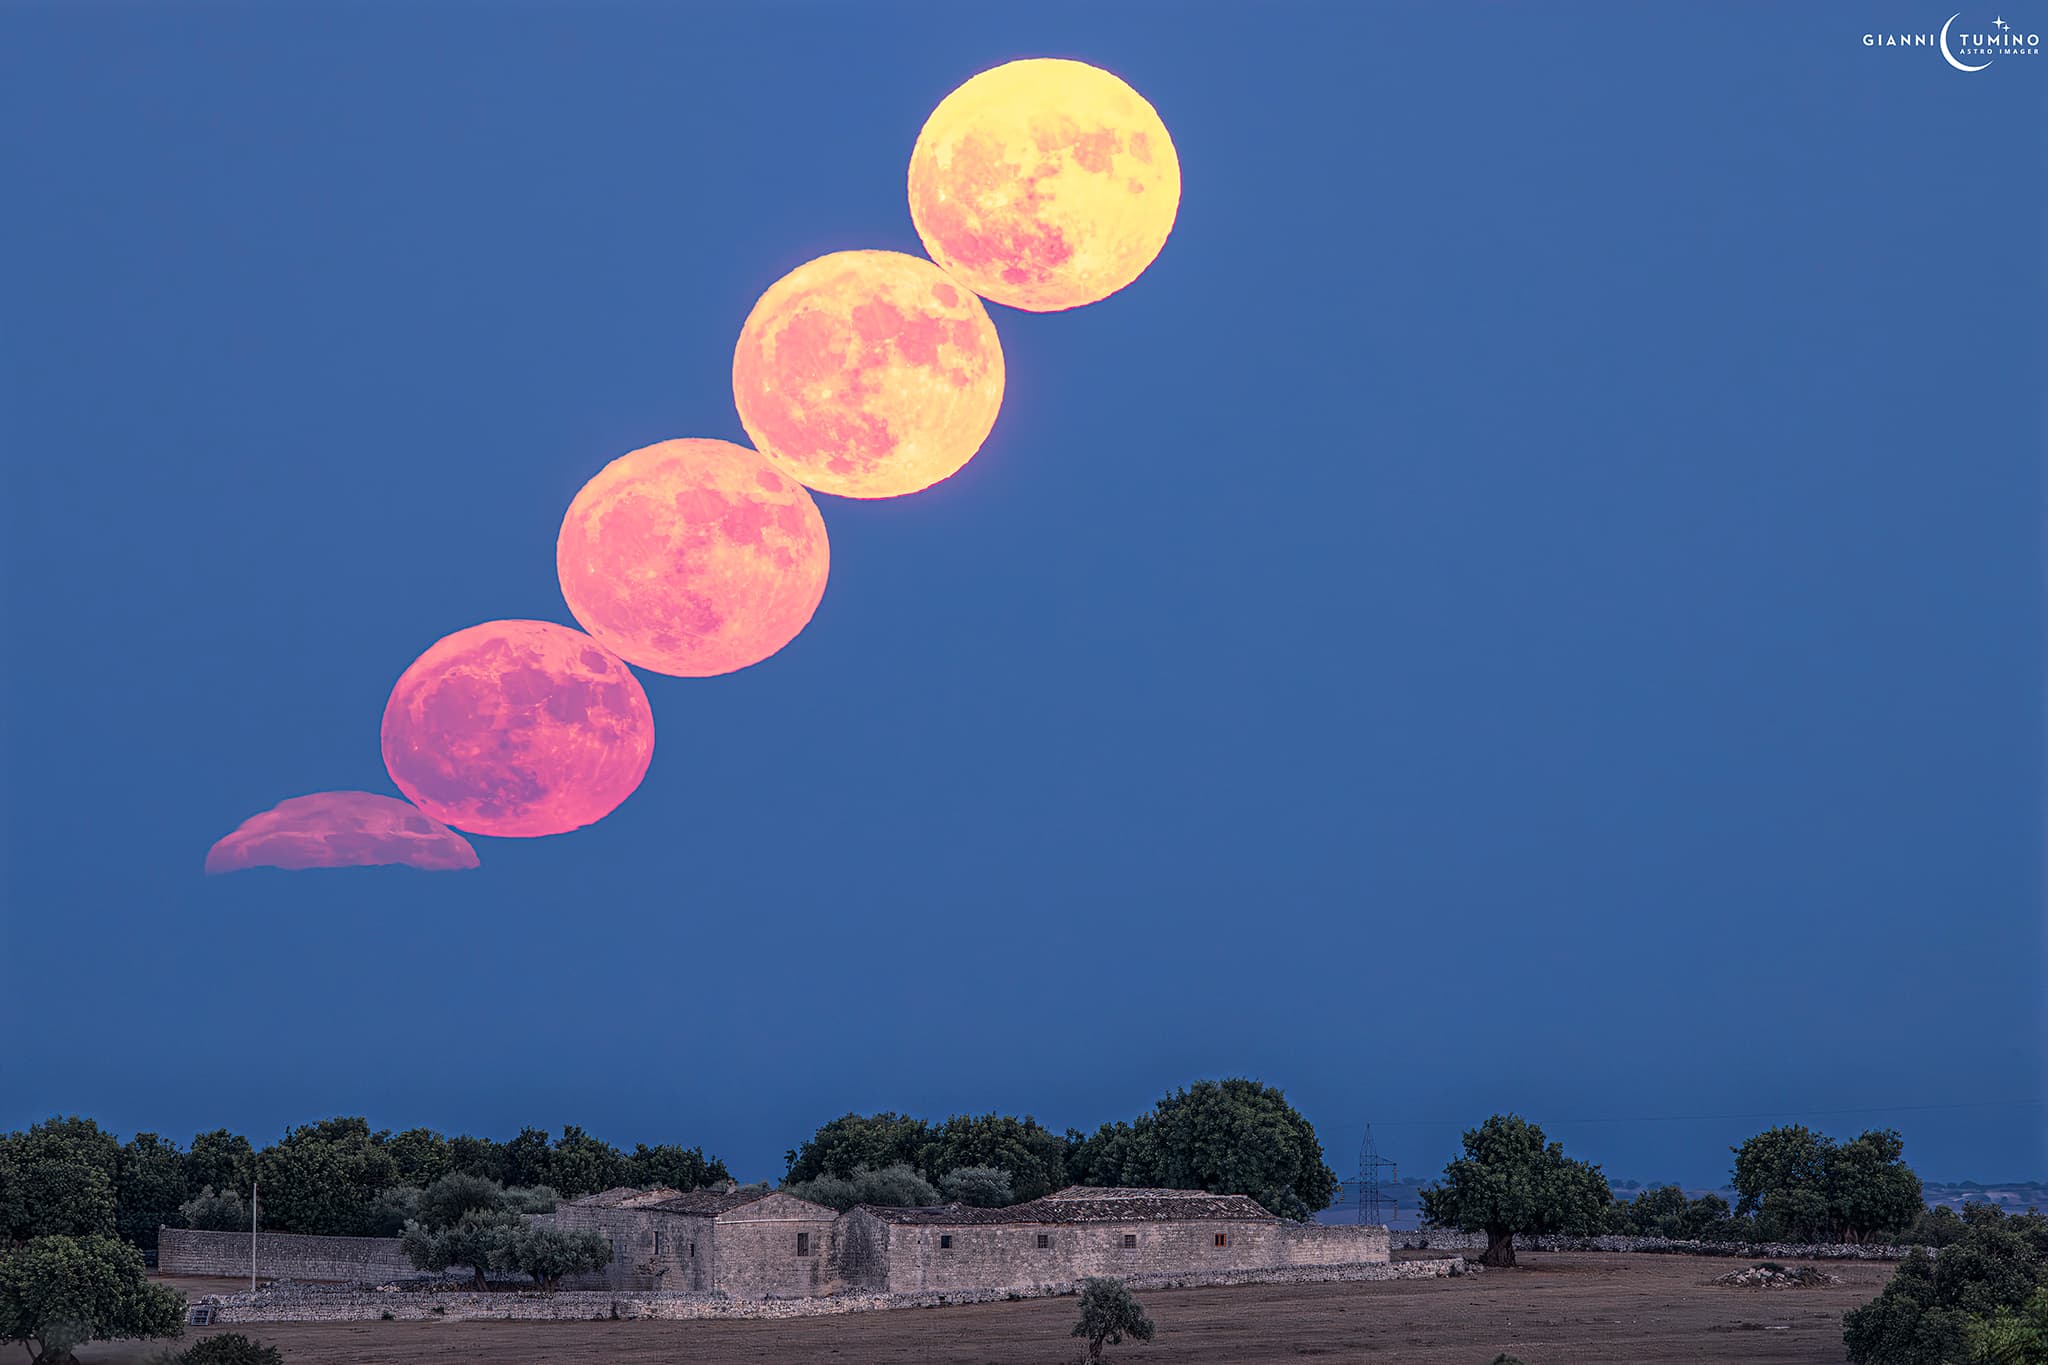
[1044, 184]
[869, 374]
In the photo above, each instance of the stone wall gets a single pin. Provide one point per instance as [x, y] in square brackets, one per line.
[280, 1256]
[927, 1257]
[758, 1249]
[1441, 1239]
[308, 1303]
[683, 1262]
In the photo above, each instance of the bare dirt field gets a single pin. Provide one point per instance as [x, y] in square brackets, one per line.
[1562, 1308]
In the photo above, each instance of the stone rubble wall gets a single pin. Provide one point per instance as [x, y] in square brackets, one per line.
[1442, 1239]
[950, 1257]
[280, 1255]
[312, 1303]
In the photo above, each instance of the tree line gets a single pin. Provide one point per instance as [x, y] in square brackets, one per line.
[1792, 1185]
[70, 1177]
[338, 1177]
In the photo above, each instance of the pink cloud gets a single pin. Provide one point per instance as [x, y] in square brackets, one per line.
[341, 829]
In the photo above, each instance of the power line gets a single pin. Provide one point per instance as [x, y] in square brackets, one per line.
[1752, 1114]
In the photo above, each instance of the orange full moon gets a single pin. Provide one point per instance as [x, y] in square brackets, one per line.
[692, 557]
[868, 374]
[1044, 184]
[518, 728]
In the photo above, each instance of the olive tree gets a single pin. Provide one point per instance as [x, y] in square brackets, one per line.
[1108, 1315]
[548, 1253]
[58, 1293]
[1510, 1181]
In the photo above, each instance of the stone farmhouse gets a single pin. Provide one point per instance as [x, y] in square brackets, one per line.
[748, 1244]
[768, 1244]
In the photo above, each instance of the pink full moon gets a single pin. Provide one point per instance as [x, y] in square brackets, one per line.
[518, 728]
[692, 557]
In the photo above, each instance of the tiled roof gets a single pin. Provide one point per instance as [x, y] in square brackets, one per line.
[709, 1203]
[624, 1197]
[1085, 1204]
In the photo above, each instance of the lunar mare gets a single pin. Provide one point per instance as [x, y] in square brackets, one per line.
[341, 829]
[692, 557]
[518, 728]
[869, 374]
[1044, 184]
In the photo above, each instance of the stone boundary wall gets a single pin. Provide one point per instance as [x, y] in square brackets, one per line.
[1442, 1239]
[311, 1303]
[280, 1255]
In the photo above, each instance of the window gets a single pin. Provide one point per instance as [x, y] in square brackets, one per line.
[657, 1243]
[1044, 1241]
[803, 1244]
[945, 1241]
[1130, 1240]
[693, 1247]
[1223, 1239]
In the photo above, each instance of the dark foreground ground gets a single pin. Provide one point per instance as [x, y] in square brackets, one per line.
[1563, 1308]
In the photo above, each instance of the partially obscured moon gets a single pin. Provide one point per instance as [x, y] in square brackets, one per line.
[518, 728]
[692, 557]
[1044, 184]
[341, 829]
[868, 374]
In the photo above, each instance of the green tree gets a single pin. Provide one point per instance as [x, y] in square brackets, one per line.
[392, 1209]
[222, 1160]
[1108, 1315]
[896, 1186]
[421, 1155]
[468, 1242]
[481, 1156]
[1035, 1157]
[1228, 1137]
[2011, 1337]
[44, 1192]
[580, 1164]
[1781, 1178]
[1871, 1189]
[58, 1293]
[981, 1187]
[673, 1167]
[1803, 1187]
[1935, 1227]
[59, 1178]
[1658, 1211]
[72, 1139]
[229, 1348]
[1932, 1303]
[548, 1253]
[532, 1199]
[150, 1189]
[833, 1191]
[443, 1203]
[1510, 1181]
[213, 1210]
[524, 1160]
[852, 1141]
[323, 1178]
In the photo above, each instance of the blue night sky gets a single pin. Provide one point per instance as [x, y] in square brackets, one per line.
[1532, 603]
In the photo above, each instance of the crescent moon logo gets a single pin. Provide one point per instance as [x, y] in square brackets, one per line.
[1950, 55]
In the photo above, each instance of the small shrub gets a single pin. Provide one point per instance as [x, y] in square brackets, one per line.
[389, 1316]
[230, 1348]
[1505, 1359]
[215, 1211]
[1108, 1315]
